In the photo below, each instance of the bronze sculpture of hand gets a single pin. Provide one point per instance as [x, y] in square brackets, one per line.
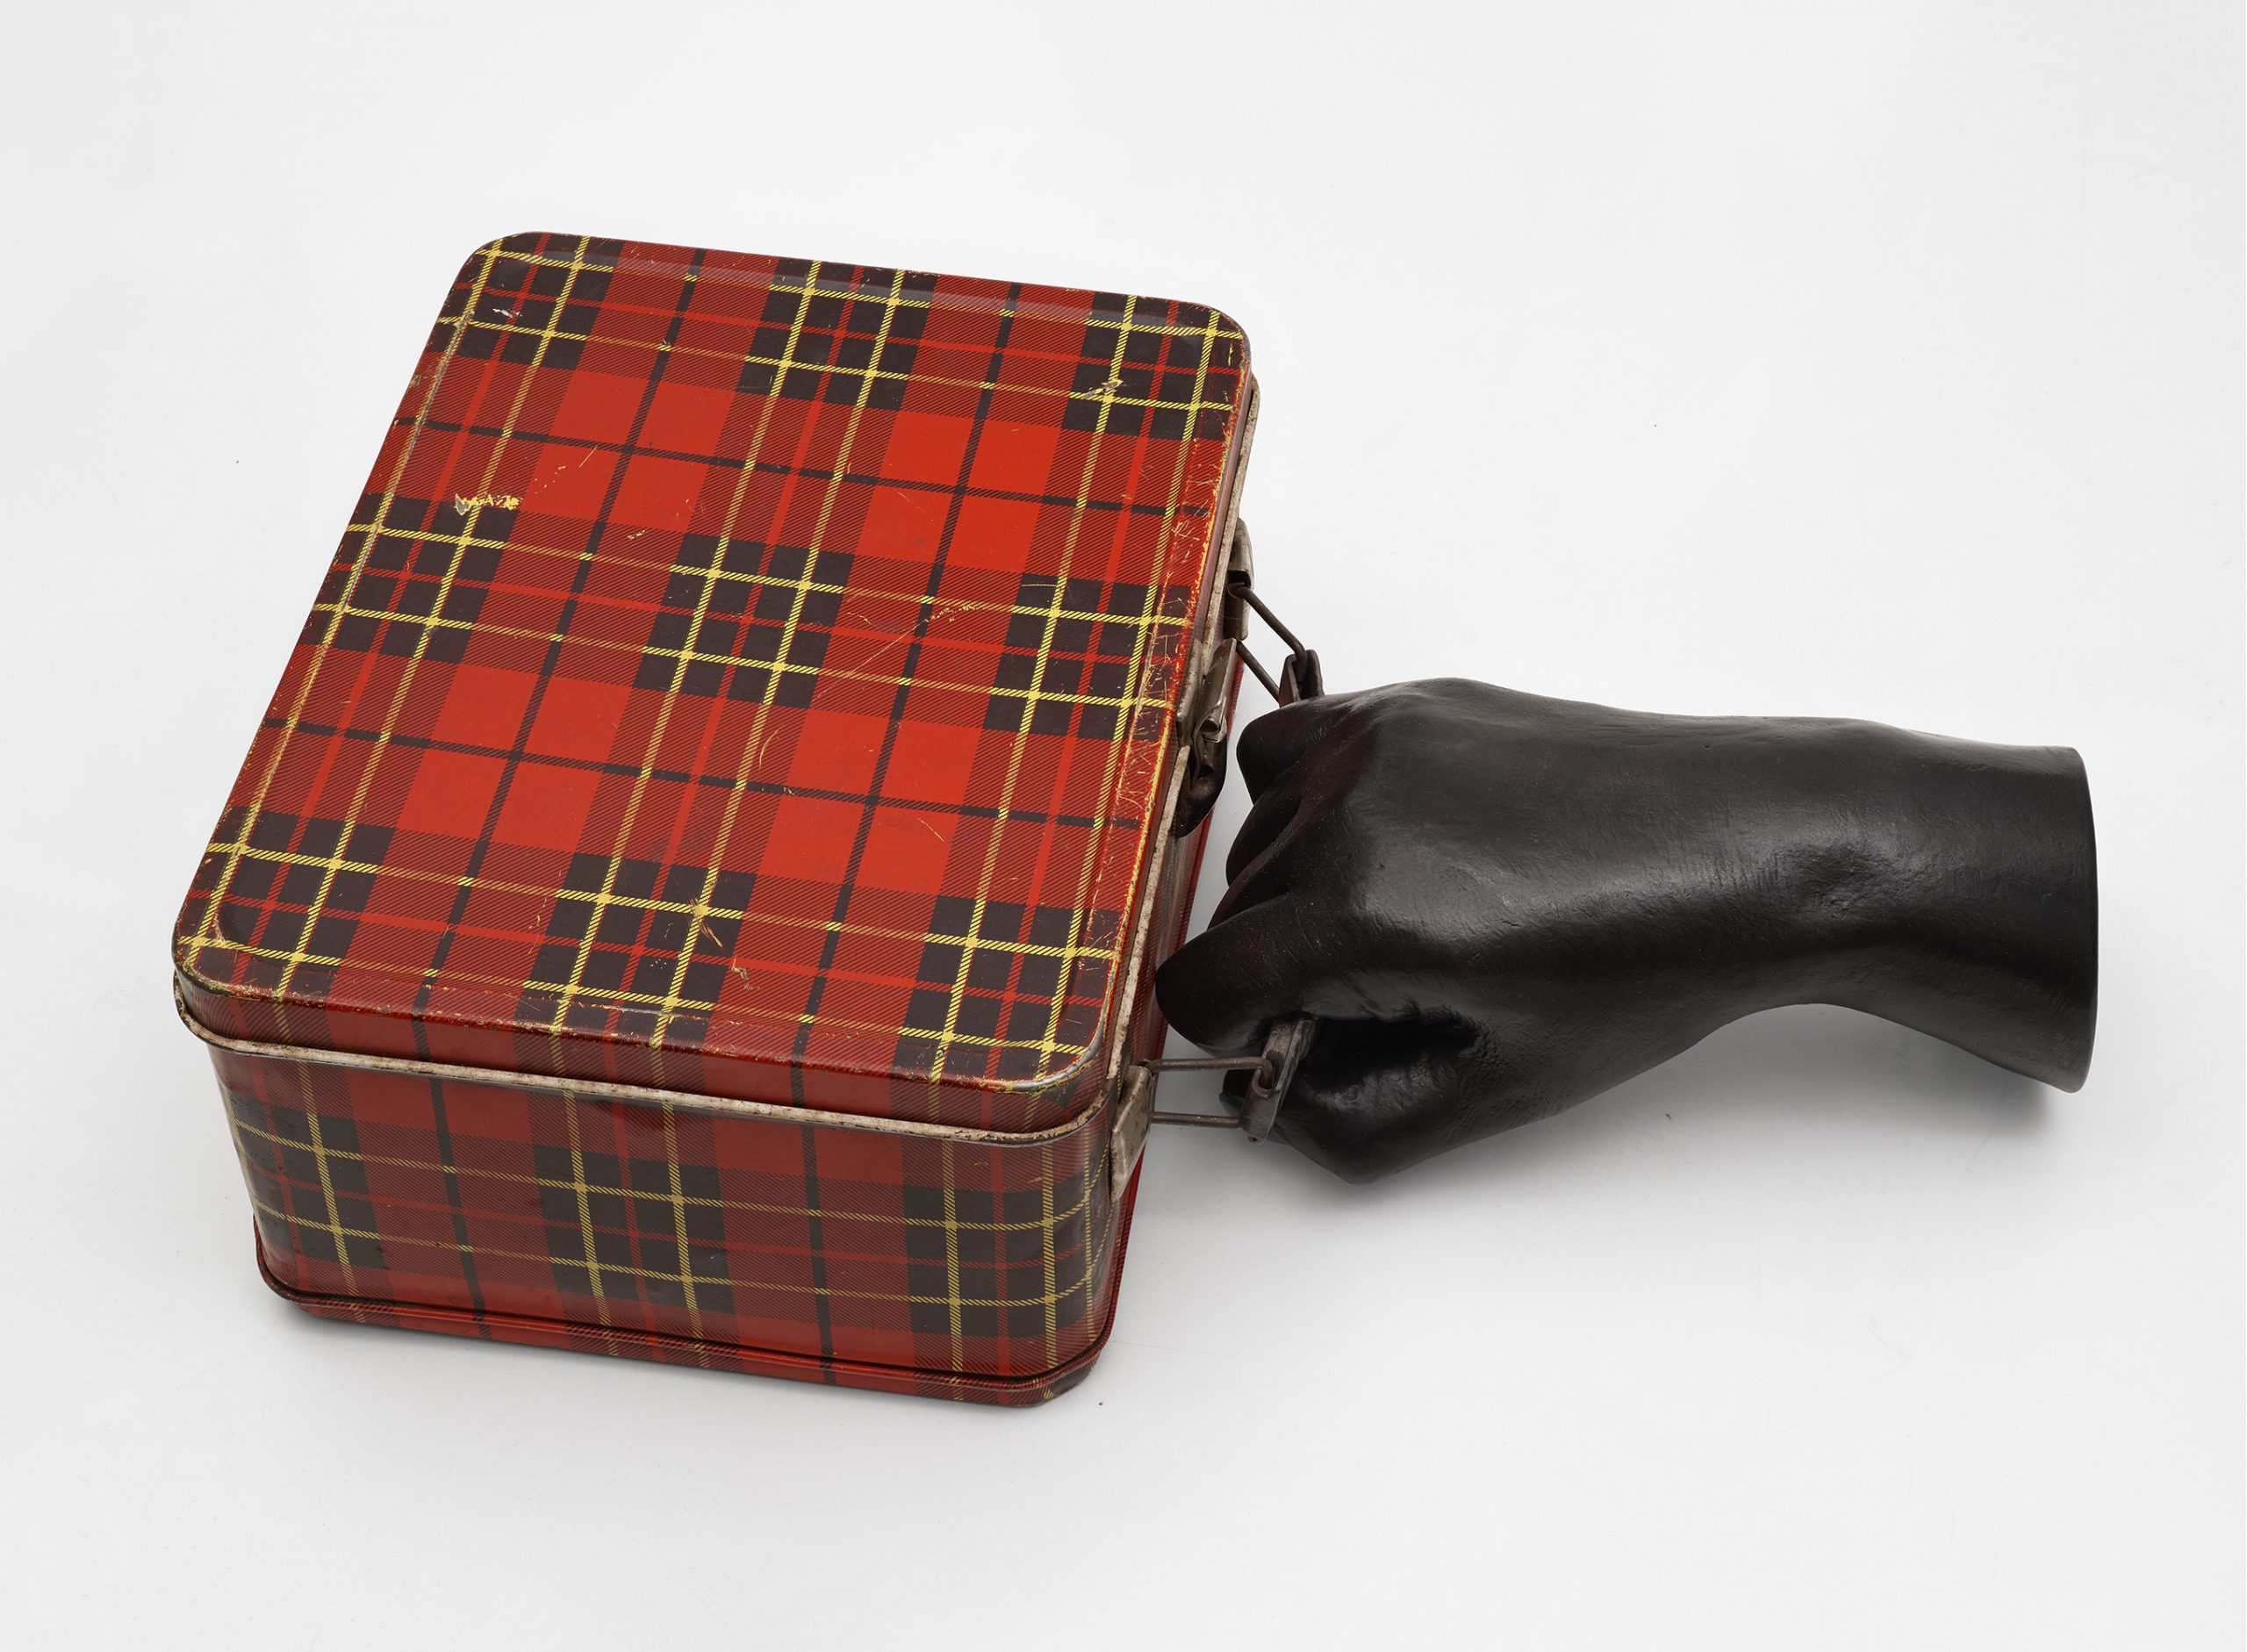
[1499, 905]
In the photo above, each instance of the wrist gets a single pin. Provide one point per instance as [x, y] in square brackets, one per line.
[1943, 884]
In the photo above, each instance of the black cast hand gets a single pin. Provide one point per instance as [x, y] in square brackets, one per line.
[1499, 905]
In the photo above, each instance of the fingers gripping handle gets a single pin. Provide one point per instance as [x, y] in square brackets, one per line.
[1261, 1089]
[1260, 1082]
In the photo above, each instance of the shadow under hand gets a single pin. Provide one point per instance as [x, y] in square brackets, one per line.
[1780, 1065]
[1822, 1056]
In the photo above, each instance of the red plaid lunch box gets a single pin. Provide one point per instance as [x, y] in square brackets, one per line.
[695, 891]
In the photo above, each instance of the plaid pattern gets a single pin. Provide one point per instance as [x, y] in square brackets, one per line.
[744, 676]
[751, 678]
[859, 1256]
[746, 1362]
[864, 1256]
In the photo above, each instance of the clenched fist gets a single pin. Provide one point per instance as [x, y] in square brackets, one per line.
[1498, 904]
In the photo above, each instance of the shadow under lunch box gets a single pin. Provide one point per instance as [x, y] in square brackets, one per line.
[695, 892]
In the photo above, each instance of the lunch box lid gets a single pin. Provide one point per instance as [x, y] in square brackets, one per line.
[745, 677]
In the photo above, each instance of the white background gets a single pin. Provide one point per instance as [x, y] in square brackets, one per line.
[1879, 359]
